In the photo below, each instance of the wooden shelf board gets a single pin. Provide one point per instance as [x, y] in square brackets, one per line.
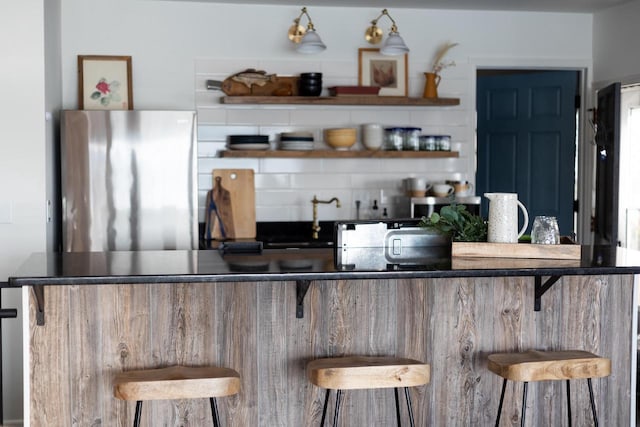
[515, 250]
[341, 100]
[315, 154]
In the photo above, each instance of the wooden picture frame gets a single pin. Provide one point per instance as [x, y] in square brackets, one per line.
[104, 82]
[390, 73]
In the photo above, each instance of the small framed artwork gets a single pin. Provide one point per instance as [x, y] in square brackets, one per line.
[104, 82]
[390, 73]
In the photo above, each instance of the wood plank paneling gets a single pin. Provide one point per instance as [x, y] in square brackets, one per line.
[93, 332]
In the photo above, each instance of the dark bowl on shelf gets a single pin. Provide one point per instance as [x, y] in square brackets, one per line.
[309, 90]
[311, 76]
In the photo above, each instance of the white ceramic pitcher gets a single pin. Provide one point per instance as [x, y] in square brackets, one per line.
[503, 217]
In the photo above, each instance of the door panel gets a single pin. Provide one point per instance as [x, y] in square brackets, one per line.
[607, 165]
[526, 141]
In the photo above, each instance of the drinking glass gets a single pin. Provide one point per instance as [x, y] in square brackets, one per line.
[545, 231]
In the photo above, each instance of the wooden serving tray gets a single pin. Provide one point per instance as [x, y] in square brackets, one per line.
[515, 250]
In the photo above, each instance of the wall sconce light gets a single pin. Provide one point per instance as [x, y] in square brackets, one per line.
[393, 45]
[308, 40]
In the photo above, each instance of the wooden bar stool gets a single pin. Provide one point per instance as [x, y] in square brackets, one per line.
[549, 365]
[343, 373]
[177, 382]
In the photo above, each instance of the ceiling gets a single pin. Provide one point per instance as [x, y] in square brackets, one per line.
[580, 6]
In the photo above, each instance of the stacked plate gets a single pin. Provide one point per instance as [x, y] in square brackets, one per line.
[248, 142]
[301, 141]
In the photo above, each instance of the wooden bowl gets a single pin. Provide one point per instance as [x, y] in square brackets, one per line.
[340, 138]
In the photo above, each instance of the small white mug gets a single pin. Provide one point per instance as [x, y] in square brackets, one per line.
[442, 190]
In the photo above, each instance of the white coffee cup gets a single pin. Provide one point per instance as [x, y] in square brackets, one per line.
[416, 187]
[372, 136]
[442, 190]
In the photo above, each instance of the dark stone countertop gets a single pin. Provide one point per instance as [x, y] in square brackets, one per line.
[292, 265]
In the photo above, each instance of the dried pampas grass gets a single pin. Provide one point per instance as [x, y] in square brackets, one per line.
[438, 64]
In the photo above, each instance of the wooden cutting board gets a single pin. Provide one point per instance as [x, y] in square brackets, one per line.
[234, 196]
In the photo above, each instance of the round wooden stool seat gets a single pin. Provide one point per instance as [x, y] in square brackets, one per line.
[349, 373]
[346, 373]
[534, 365]
[177, 382]
[549, 365]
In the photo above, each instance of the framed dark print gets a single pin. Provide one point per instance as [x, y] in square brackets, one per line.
[390, 73]
[104, 82]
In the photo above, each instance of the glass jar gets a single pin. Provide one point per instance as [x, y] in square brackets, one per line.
[411, 139]
[393, 138]
[428, 143]
[444, 143]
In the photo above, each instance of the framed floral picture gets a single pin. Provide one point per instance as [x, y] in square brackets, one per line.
[104, 82]
[390, 73]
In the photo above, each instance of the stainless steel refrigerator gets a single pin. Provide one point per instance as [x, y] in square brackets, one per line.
[128, 180]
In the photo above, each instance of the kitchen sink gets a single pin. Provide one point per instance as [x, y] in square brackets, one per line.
[294, 235]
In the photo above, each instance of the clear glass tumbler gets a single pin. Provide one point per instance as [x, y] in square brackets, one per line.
[545, 231]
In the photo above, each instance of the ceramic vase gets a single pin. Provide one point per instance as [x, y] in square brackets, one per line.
[432, 80]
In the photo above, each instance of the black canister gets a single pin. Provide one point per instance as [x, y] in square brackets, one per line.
[310, 84]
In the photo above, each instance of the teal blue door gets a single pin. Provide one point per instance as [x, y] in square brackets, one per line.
[526, 134]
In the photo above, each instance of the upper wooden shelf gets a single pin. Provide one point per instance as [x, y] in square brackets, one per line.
[317, 154]
[341, 100]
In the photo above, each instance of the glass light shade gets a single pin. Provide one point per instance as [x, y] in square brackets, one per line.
[310, 43]
[394, 45]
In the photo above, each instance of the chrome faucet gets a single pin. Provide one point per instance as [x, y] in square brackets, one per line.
[315, 227]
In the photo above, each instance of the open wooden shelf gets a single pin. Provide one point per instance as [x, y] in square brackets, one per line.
[342, 100]
[361, 154]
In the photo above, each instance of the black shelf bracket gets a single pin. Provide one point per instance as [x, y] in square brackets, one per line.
[302, 286]
[541, 288]
[38, 292]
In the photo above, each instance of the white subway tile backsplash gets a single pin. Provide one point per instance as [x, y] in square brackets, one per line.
[211, 116]
[258, 116]
[276, 165]
[285, 186]
[354, 166]
[272, 181]
[324, 181]
[324, 116]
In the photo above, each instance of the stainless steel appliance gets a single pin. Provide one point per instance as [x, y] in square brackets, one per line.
[389, 245]
[129, 180]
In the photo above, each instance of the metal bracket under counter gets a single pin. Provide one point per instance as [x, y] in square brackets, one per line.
[38, 293]
[541, 288]
[302, 286]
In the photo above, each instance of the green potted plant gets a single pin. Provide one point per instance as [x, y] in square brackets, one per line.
[456, 221]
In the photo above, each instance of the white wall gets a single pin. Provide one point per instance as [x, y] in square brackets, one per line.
[615, 45]
[22, 168]
[189, 42]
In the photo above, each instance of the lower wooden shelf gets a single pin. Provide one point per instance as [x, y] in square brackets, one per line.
[315, 154]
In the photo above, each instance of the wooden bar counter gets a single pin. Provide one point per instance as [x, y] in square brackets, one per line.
[93, 315]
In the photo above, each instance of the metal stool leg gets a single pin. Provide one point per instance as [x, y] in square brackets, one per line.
[136, 420]
[324, 408]
[395, 392]
[569, 402]
[214, 412]
[593, 403]
[409, 407]
[504, 386]
[524, 403]
[337, 412]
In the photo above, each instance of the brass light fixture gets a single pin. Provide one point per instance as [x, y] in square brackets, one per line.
[393, 45]
[307, 40]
